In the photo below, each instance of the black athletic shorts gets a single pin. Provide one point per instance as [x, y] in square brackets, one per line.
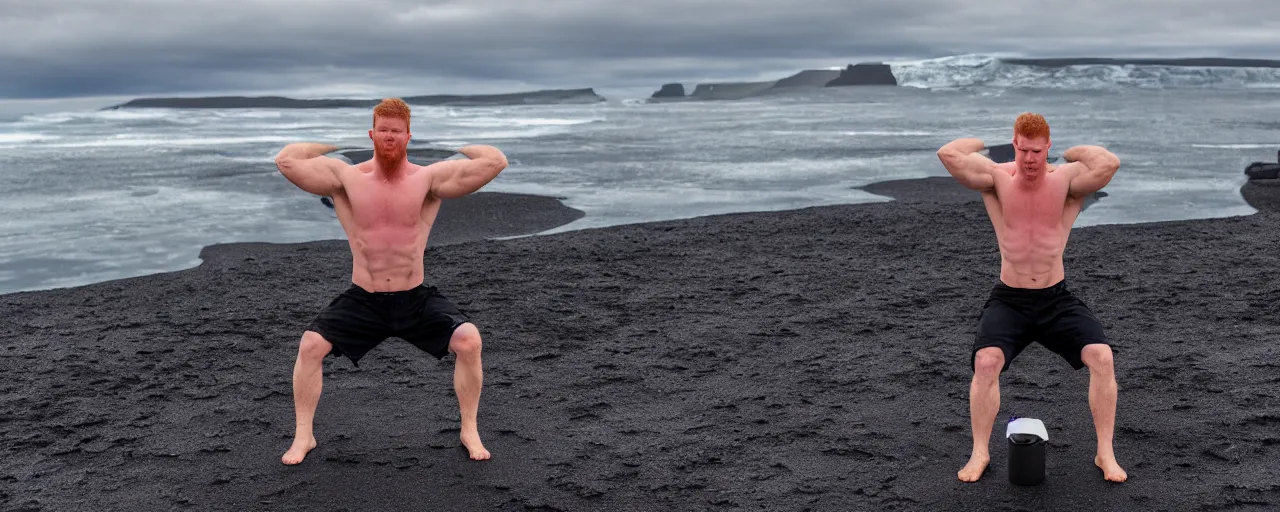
[1015, 317]
[358, 320]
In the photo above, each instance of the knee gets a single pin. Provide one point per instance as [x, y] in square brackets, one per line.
[313, 347]
[466, 341]
[1098, 358]
[988, 363]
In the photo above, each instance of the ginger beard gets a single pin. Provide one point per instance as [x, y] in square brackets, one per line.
[390, 143]
[389, 153]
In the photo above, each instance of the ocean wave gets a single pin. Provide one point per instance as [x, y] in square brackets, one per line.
[22, 138]
[128, 140]
[887, 133]
[501, 122]
[993, 71]
[1237, 146]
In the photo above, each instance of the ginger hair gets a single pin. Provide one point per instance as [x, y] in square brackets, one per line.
[1031, 126]
[393, 108]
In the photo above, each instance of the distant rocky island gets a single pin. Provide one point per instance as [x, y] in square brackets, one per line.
[861, 74]
[543, 97]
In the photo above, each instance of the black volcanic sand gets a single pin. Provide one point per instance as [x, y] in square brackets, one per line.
[1263, 195]
[810, 359]
[485, 215]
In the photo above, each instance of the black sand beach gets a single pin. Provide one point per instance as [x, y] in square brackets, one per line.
[805, 360]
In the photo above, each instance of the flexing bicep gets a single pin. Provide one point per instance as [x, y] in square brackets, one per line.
[452, 179]
[972, 170]
[317, 175]
[1087, 178]
[1090, 168]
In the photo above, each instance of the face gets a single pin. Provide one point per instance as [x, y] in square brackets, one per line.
[390, 137]
[1031, 155]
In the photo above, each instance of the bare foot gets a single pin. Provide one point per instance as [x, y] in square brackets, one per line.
[1110, 469]
[972, 471]
[299, 450]
[471, 440]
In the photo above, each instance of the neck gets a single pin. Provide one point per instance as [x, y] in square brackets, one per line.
[388, 169]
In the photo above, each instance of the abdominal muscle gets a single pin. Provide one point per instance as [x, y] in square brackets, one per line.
[1031, 258]
[387, 258]
[387, 226]
[1032, 226]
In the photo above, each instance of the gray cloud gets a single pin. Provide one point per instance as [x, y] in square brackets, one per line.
[61, 48]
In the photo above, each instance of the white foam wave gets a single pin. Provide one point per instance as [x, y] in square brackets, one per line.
[500, 122]
[989, 70]
[496, 134]
[19, 138]
[1238, 146]
[104, 115]
[887, 133]
[128, 140]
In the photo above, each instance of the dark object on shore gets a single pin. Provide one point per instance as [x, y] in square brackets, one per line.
[1262, 190]
[1004, 153]
[1264, 170]
[865, 73]
[1026, 459]
[1026, 445]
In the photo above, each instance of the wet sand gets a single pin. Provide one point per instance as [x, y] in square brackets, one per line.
[809, 359]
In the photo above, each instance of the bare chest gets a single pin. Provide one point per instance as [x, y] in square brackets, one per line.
[1035, 209]
[377, 206]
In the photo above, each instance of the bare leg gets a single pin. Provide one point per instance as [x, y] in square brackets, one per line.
[468, 377]
[1102, 402]
[984, 403]
[307, 383]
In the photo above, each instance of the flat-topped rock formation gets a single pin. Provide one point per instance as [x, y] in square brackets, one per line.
[670, 91]
[730, 90]
[809, 78]
[866, 73]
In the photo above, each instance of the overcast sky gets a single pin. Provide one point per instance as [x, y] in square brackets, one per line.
[70, 48]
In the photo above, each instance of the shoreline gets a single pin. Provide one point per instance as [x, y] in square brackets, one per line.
[507, 215]
[479, 216]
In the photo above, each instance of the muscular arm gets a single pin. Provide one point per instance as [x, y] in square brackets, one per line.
[456, 178]
[1089, 168]
[971, 169]
[304, 165]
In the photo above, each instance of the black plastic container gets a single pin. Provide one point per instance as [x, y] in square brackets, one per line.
[1026, 459]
